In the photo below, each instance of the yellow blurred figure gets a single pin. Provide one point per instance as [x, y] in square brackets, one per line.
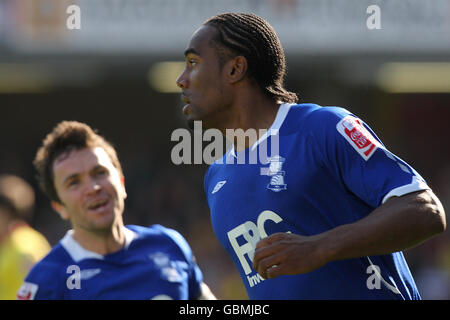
[20, 245]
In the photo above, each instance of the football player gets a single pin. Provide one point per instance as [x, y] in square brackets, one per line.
[100, 257]
[328, 216]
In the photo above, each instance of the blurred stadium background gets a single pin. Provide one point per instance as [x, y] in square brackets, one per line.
[117, 73]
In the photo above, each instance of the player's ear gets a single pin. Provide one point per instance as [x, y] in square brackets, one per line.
[61, 210]
[236, 69]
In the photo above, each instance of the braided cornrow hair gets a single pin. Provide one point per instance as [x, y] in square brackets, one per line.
[255, 39]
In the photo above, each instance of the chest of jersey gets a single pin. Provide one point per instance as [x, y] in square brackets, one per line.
[141, 275]
[290, 192]
[250, 201]
[315, 182]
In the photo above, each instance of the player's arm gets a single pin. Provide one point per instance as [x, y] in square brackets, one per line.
[350, 151]
[400, 223]
[206, 293]
[41, 284]
[198, 289]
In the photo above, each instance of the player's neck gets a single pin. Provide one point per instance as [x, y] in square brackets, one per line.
[101, 242]
[257, 112]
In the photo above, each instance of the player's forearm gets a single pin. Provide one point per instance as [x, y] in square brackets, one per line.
[205, 293]
[400, 223]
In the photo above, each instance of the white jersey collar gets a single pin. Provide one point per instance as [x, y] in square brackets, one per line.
[78, 253]
[274, 128]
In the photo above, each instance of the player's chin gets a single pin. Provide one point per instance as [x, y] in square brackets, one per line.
[103, 226]
[104, 220]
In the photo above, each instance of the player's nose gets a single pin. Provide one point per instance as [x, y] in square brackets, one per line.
[92, 186]
[182, 81]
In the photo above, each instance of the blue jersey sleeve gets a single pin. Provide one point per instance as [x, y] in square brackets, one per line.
[195, 274]
[358, 159]
[42, 283]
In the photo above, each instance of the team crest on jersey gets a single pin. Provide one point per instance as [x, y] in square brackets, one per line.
[358, 136]
[276, 174]
[27, 291]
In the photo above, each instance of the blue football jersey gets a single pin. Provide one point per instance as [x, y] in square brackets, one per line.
[328, 169]
[155, 263]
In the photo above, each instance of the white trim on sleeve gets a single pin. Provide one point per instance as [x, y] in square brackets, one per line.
[415, 185]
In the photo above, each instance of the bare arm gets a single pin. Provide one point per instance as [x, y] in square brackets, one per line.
[398, 224]
[205, 293]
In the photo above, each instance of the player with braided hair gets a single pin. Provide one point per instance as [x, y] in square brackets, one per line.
[328, 215]
[250, 36]
[259, 58]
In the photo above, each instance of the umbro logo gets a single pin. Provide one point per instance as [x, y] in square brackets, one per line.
[86, 274]
[218, 186]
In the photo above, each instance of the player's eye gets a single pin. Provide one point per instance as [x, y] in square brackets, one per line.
[192, 62]
[72, 183]
[101, 172]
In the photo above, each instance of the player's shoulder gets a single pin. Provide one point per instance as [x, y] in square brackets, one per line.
[309, 117]
[162, 233]
[154, 230]
[44, 277]
[50, 264]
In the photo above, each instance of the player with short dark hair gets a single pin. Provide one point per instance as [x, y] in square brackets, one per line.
[100, 258]
[66, 136]
[328, 215]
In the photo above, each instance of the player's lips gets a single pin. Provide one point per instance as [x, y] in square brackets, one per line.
[187, 102]
[185, 98]
[98, 205]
